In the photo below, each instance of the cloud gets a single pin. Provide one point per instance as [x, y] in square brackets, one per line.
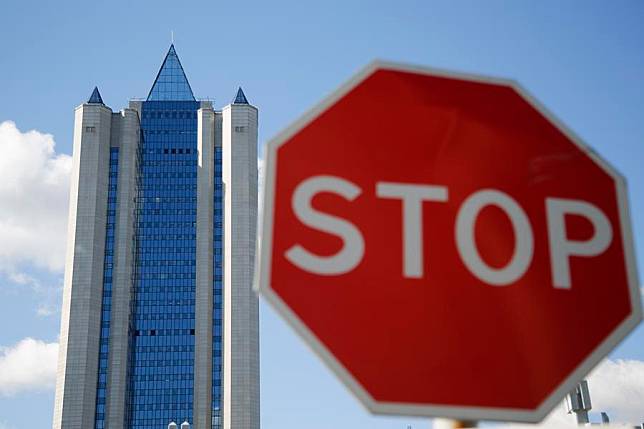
[260, 196]
[616, 387]
[29, 365]
[34, 200]
[260, 181]
[44, 310]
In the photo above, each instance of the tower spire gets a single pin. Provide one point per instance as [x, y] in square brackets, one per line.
[240, 98]
[171, 83]
[95, 98]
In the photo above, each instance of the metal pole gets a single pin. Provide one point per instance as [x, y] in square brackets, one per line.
[454, 424]
[578, 402]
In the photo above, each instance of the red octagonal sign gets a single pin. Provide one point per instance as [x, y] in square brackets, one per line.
[446, 245]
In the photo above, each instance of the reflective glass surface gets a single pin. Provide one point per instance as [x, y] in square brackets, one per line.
[106, 308]
[240, 98]
[163, 315]
[95, 98]
[217, 393]
[171, 83]
[161, 338]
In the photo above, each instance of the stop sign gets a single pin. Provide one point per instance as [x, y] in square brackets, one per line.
[446, 246]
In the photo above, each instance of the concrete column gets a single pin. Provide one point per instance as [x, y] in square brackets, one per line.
[241, 314]
[202, 411]
[125, 135]
[77, 373]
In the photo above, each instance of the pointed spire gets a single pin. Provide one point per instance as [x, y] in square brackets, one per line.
[95, 98]
[171, 82]
[240, 98]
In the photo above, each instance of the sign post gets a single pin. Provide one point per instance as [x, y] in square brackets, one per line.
[447, 246]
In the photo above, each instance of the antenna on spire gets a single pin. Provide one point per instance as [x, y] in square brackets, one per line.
[172, 36]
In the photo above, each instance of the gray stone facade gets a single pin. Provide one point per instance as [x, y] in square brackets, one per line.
[204, 280]
[77, 375]
[125, 133]
[241, 313]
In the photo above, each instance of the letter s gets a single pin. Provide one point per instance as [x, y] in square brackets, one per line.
[353, 243]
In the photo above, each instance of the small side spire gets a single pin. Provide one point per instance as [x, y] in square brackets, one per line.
[95, 98]
[240, 98]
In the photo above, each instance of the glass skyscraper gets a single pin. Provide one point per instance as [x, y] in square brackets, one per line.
[159, 320]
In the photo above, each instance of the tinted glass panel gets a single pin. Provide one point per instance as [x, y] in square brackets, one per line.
[106, 305]
[171, 82]
[163, 314]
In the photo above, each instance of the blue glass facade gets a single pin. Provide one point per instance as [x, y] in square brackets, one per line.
[106, 307]
[161, 342]
[171, 83]
[163, 319]
[218, 276]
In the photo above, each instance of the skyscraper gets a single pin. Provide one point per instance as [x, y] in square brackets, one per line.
[159, 319]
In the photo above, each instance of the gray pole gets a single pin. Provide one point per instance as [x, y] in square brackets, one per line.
[578, 402]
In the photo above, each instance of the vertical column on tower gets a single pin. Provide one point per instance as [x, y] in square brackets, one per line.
[202, 412]
[241, 319]
[77, 372]
[126, 136]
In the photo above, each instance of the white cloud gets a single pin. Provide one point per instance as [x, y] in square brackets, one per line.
[617, 387]
[260, 181]
[44, 310]
[29, 365]
[34, 200]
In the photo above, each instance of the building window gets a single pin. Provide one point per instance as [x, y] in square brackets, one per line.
[90, 129]
[240, 129]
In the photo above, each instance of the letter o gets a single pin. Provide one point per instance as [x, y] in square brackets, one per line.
[466, 243]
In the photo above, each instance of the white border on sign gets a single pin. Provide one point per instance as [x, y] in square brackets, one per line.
[263, 265]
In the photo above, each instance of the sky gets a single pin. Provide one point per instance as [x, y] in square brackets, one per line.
[583, 60]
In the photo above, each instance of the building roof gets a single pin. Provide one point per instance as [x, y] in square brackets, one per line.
[95, 98]
[171, 83]
[240, 98]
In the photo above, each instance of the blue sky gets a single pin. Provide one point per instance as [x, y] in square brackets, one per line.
[583, 59]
